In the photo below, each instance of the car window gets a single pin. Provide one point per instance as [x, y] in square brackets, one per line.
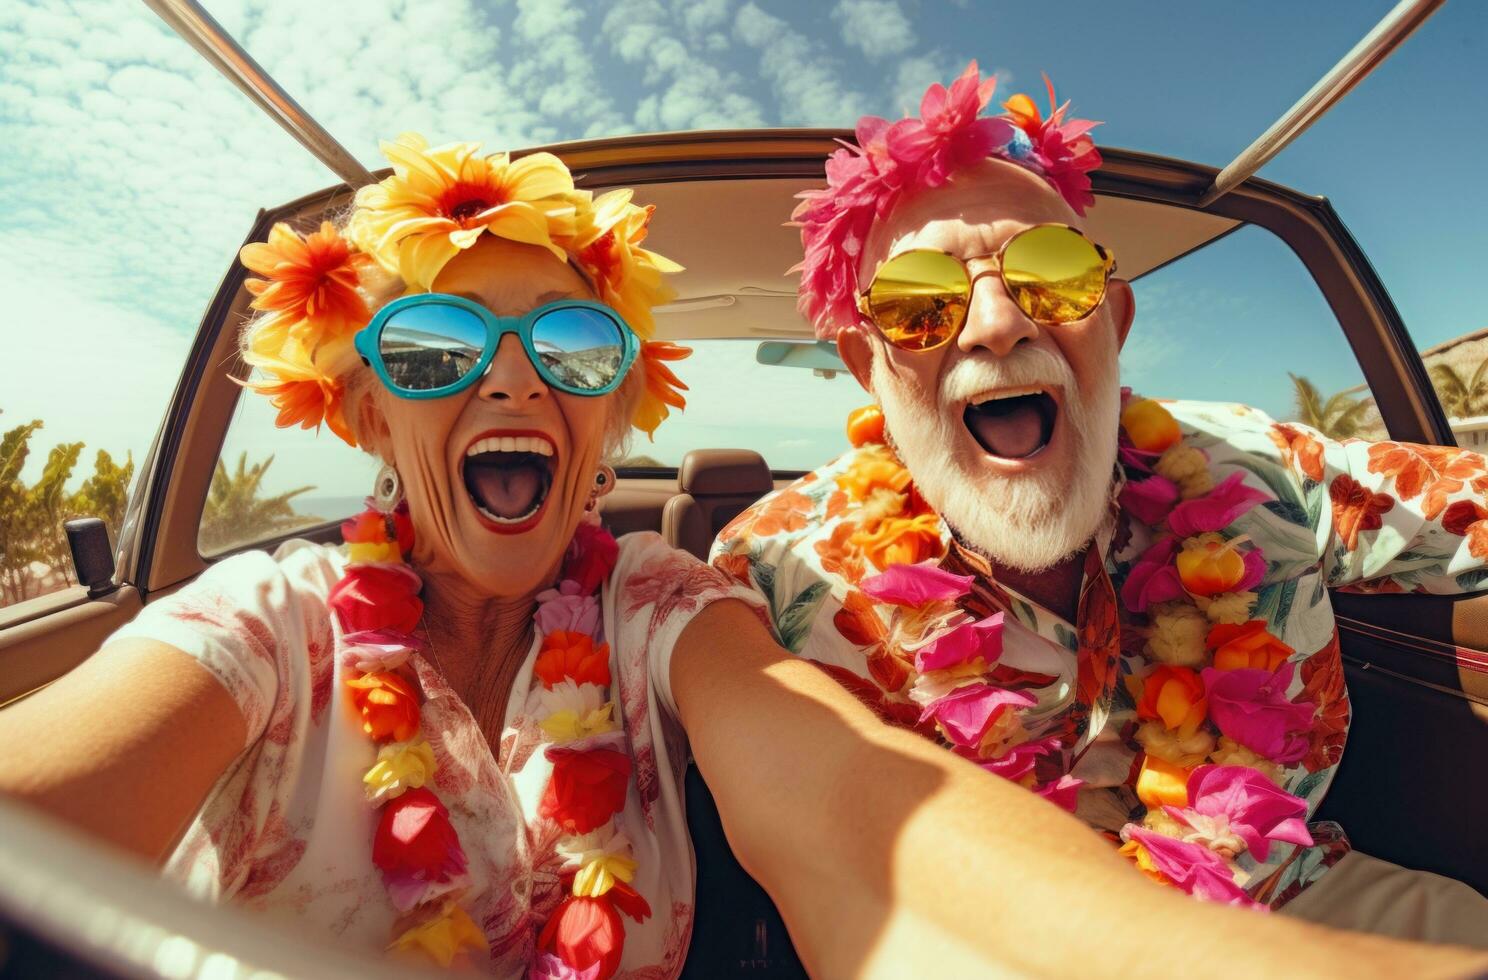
[1241, 319]
[794, 417]
[270, 482]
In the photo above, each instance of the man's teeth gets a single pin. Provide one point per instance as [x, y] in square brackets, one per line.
[511, 444]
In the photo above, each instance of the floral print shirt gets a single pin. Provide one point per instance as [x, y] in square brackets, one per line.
[1381, 517]
[288, 829]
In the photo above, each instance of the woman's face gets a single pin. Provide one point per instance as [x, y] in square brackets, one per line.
[497, 476]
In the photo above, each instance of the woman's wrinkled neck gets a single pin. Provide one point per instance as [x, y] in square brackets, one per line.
[478, 640]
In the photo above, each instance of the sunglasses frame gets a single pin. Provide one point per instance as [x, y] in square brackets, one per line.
[368, 342]
[1108, 261]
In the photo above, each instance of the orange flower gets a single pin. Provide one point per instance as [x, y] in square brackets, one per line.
[1138, 855]
[865, 426]
[1467, 519]
[1149, 426]
[1209, 565]
[1300, 448]
[1356, 508]
[1247, 646]
[1160, 783]
[899, 540]
[1174, 696]
[574, 656]
[303, 394]
[662, 386]
[389, 706]
[309, 279]
[871, 470]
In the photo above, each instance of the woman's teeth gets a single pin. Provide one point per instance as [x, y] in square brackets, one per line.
[511, 444]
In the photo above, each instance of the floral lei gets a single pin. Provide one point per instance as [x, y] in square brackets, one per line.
[1216, 727]
[415, 846]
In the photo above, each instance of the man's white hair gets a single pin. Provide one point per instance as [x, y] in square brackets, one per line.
[1031, 521]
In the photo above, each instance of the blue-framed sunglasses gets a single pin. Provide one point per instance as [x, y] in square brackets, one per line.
[430, 345]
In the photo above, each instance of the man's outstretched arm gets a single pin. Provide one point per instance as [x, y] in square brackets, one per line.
[887, 854]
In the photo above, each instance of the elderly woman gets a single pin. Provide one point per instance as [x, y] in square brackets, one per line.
[462, 735]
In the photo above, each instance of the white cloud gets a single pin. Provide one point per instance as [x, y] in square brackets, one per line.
[878, 28]
[802, 74]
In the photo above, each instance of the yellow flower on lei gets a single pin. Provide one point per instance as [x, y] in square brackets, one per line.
[1231, 608]
[441, 200]
[1172, 746]
[571, 711]
[401, 766]
[1232, 753]
[372, 552]
[443, 937]
[1177, 634]
[1188, 468]
[601, 857]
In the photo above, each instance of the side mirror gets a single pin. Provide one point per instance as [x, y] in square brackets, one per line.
[92, 558]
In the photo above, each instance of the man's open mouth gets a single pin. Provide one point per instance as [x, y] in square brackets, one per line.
[508, 477]
[1013, 426]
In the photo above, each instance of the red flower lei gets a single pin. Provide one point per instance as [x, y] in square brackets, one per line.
[415, 846]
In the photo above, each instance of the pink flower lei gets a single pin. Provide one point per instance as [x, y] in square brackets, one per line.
[894, 160]
[415, 846]
[1203, 811]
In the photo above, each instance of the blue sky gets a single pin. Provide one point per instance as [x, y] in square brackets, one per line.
[132, 170]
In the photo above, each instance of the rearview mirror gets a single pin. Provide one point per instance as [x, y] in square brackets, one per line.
[819, 356]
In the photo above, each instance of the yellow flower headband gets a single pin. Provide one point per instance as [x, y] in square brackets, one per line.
[438, 202]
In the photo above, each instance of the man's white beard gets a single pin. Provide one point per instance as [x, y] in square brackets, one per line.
[1030, 521]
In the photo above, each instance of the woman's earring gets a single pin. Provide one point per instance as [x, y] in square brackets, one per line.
[604, 482]
[387, 490]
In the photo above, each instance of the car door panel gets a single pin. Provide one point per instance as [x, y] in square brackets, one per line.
[36, 651]
[1408, 789]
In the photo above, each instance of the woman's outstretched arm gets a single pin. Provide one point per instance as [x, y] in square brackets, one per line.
[126, 747]
[889, 856]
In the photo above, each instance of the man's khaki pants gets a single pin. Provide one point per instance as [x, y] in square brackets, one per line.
[1366, 894]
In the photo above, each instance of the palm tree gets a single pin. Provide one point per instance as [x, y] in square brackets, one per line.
[1461, 399]
[1339, 416]
[235, 512]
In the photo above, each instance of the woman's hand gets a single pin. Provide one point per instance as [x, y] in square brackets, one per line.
[889, 856]
[125, 747]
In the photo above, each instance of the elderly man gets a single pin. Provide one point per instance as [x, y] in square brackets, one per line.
[1119, 603]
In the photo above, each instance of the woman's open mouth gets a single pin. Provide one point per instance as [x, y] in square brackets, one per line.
[508, 477]
[1015, 425]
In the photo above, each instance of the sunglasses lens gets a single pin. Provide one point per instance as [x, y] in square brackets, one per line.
[918, 299]
[580, 348]
[431, 346]
[1054, 274]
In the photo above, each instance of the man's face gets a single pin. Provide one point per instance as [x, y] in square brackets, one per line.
[1010, 429]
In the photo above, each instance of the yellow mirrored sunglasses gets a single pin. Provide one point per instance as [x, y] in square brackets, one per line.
[919, 298]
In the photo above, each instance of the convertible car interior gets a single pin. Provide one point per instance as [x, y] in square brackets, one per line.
[1417, 666]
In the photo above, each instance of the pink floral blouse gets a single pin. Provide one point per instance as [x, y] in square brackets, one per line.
[288, 829]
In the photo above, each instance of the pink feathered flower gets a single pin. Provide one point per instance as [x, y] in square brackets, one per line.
[1240, 801]
[948, 136]
[566, 609]
[549, 967]
[963, 644]
[376, 651]
[966, 713]
[1194, 868]
[1149, 500]
[915, 585]
[1063, 792]
[1252, 707]
[1019, 760]
[1215, 510]
[1153, 578]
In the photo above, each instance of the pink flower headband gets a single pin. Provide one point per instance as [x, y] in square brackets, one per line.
[891, 160]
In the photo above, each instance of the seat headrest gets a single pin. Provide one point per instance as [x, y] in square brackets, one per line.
[718, 472]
